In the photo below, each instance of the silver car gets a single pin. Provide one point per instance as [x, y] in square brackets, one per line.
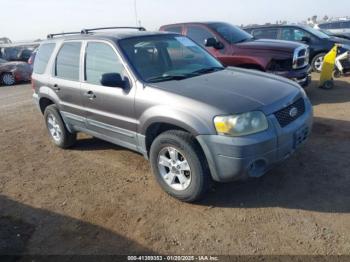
[166, 97]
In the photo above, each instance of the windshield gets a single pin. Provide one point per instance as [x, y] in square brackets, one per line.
[167, 57]
[230, 33]
[316, 32]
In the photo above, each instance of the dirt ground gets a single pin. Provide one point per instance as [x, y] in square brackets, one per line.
[97, 198]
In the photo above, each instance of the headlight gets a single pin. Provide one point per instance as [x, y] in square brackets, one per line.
[242, 124]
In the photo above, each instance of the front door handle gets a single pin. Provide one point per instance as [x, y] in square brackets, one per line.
[91, 95]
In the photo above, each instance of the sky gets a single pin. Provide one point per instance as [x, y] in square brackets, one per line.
[32, 19]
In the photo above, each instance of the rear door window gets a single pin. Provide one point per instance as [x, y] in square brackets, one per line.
[199, 34]
[68, 61]
[294, 34]
[267, 33]
[42, 57]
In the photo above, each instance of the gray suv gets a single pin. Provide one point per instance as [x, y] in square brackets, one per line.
[166, 97]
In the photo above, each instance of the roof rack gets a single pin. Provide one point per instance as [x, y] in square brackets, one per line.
[86, 31]
[49, 36]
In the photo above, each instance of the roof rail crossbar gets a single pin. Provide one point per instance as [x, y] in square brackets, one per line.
[86, 31]
[67, 33]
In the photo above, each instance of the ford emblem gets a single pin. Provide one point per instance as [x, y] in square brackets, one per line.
[293, 112]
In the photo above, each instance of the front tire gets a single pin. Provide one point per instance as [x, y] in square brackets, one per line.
[8, 79]
[180, 166]
[58, 132]
[317, 62]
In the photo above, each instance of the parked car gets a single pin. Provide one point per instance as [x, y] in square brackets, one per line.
[234, 47]
[336, 27]
[341, 35]
[166, 97]
[319, 42]
[17, 53]
[32, 57]
[14, 72]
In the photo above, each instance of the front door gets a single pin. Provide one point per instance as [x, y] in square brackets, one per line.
[109, 110]
[199, 34]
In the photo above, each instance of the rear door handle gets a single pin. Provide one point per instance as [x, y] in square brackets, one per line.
[89, 94]
[56, 87]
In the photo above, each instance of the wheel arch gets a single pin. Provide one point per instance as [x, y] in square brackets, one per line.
[156, 128]
[45, 102]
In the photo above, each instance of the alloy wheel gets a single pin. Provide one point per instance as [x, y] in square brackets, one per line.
[54, 127]
[319, 63]
[8, 79]
[174, 168]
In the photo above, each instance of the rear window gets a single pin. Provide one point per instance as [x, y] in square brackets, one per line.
[333, 25]
[174, 29]
[345, 25]
[42, 57]
[68, 61]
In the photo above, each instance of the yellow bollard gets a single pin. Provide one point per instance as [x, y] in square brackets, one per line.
[326, 78]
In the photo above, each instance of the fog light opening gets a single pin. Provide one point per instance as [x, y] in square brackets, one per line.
[257, 168]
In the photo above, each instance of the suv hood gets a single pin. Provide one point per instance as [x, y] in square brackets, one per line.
[342, 41]
[268, 44]
[236, 90]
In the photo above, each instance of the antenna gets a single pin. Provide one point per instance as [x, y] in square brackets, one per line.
[138, 22]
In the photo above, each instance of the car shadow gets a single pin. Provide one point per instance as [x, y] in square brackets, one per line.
[26, 230]
[94, 144]
[339, 94]
[315, 178]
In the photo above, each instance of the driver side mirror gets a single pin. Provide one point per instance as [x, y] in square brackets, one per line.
[113, 80]
[212, 42]
[306, 39]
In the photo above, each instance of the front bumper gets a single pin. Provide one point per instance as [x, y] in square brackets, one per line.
[36, 100]
[232, 158]
[301, 76]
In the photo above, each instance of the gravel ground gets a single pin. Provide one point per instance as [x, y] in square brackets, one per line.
[98, 198]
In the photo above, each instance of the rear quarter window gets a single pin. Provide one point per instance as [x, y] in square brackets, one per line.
[42, 57]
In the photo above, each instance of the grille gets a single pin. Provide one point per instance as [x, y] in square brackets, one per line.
[284, 117]
[301, 57]
[281, 65]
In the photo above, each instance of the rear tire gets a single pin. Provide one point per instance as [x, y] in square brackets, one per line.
[317, 62]
[58, 132]
[186, 182]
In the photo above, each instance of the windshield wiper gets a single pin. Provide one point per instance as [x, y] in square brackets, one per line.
[165, 78]
[207, 70]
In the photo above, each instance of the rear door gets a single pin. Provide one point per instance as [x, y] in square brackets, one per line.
[65, 82]
[109, 110]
